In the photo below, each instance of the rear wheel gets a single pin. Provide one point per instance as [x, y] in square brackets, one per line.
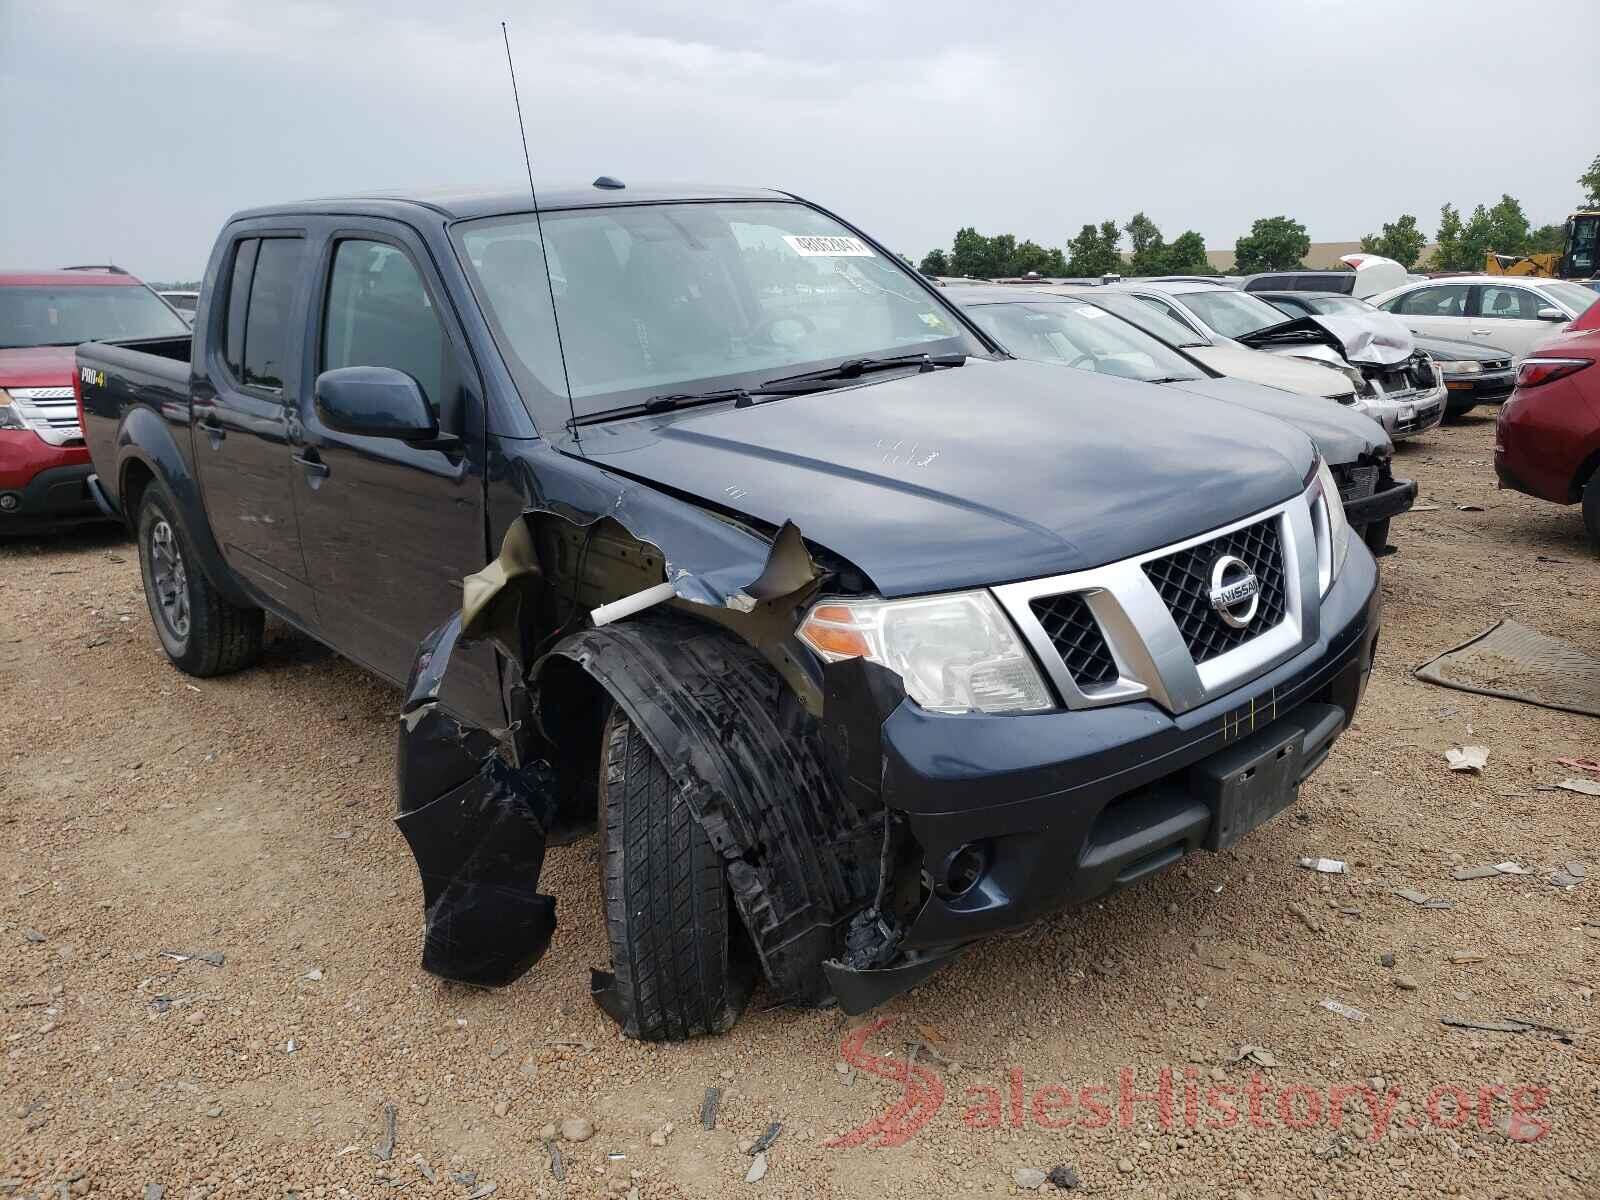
[1591, 508]
[202, 632]
[668, 911]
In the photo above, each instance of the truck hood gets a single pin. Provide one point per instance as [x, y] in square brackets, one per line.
[1340, 434]
[974, 475]
[1273, 370]
[1375, 338]
[37, 366]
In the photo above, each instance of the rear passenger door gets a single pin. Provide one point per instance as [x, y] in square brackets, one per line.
[242, 409]
[1506, 316]
[392, 527]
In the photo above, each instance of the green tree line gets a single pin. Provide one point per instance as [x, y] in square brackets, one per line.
[1097, 250]
[1276, 243]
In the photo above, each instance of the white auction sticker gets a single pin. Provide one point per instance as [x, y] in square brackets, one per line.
[816, 246]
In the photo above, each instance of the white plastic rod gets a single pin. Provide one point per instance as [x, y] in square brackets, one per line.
[629, 605]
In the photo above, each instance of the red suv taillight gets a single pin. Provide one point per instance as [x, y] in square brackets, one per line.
[1535, 371]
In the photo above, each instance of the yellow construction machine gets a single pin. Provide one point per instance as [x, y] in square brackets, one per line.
[1577, 258]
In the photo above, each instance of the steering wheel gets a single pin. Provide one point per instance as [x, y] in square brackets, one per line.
[765, 330]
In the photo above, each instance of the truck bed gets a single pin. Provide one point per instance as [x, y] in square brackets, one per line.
[116, 377]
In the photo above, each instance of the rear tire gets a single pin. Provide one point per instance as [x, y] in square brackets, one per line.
[668, 910]
[202, 632]
[1591, 509]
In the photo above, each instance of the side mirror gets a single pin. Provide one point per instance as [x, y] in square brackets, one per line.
[374, 402]
[1552, 314]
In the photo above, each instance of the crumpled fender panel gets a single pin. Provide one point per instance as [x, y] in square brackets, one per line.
[477, 827]
[802, 858]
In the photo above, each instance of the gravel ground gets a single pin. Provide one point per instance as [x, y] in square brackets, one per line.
[143, 812]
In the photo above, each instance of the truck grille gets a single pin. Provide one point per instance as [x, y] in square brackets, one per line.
[1355, 483]
[1396, 381]
[1184, 582]
[1076, 637]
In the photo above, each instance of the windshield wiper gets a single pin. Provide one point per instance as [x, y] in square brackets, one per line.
[1172, 379]
[854, 368]
[665, 402]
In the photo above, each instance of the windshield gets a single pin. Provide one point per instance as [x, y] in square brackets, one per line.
[1574, 295]
[1337, 305]
[64, 315]
[1080, 335]
[1154, 322]
[686, 298]
[1231, 313]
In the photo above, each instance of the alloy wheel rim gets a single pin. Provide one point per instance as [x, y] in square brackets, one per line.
[170, 579]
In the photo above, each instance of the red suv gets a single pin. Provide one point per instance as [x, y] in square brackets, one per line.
[1547, 438]
[43, 315]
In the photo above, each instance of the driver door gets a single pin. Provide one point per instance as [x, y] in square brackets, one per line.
[391, 528]
[1506, 316]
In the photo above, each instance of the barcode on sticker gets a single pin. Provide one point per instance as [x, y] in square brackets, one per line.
[817, 246]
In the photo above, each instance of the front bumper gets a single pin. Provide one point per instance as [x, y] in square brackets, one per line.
[1390, 502]
[1410, 415]
[1467, 391]
[55, 496]
[1070, 805]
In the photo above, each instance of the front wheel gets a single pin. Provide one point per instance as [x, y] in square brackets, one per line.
[202, 632]
[668, 911]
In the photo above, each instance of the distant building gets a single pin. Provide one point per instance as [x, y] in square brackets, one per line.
[1321, 256]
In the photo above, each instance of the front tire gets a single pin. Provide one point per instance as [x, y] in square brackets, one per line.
[202, 632]
[668, 910]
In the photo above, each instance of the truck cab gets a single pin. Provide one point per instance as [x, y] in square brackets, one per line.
[695, 518]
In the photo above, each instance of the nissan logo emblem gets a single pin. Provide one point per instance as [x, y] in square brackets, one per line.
[1235, 591]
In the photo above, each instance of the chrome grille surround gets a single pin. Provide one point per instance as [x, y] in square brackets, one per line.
[1153, 661]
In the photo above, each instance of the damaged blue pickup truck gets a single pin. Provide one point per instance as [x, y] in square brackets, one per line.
[697, 518]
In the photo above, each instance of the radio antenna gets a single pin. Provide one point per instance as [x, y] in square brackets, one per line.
[538, 221]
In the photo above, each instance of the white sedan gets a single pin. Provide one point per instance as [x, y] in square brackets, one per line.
[1508, 312]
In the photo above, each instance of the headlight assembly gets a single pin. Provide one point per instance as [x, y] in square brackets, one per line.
[954, 652]
[1462, 367]
[1331, 528]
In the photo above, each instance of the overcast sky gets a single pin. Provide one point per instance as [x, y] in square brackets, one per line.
[130, 129]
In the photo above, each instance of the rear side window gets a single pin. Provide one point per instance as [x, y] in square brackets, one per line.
[266, 329]
[244, 261]
[379, 314]
[1449, 300]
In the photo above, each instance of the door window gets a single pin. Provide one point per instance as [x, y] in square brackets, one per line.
[379, 314]
[1447, 300]
[1167, 310]
[244, 261]
[1497, 302]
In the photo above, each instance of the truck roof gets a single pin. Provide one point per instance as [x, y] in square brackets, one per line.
[67, 277]
[460, 203]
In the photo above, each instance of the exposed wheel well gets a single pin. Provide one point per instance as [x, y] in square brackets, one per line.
[135, 478]
[1584, 473]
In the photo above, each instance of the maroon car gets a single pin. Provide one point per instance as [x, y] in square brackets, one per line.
[43, 316]
[1547, 438]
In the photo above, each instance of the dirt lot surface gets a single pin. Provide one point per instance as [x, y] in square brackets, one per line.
[143, 812]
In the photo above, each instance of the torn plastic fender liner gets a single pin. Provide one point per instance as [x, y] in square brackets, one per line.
[802, 859]
[477, 827]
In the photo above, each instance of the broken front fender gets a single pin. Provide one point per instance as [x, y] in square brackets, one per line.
[477, 827]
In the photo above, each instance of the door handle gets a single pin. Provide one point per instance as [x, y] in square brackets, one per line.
[1481, 332]
[315, 469]
[213, 431]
